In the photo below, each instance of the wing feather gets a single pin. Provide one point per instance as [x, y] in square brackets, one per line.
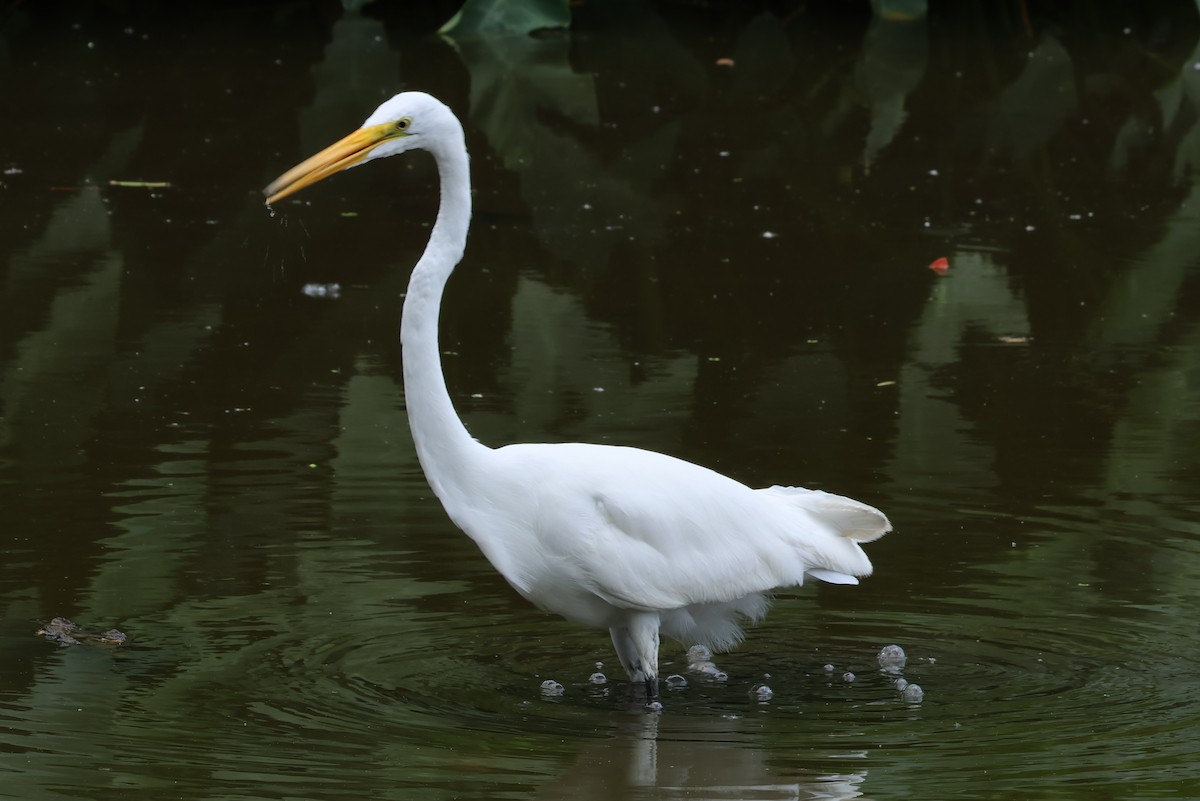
[643, 530]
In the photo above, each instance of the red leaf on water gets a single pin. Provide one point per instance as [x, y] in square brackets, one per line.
[940, 266]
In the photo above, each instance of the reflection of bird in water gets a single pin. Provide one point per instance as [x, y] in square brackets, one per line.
[619, 538]
[699, 757]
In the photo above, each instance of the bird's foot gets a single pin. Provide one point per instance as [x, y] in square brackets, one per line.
[652, 702]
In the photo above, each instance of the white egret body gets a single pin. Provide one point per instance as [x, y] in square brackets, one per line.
[613, 537]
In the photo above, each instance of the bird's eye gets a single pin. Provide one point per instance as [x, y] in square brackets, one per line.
[403, 123]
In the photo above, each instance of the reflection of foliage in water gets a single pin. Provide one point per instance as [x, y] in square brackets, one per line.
[228, 468]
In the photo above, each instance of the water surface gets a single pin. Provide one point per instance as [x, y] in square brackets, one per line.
[203, 441]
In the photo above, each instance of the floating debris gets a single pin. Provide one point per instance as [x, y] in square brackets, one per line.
[65, 632]
[142, 184]
[940, 266]
[331, 291]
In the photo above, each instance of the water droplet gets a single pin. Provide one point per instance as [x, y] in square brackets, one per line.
[913, 694]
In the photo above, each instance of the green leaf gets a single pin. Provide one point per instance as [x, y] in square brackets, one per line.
[507, 17]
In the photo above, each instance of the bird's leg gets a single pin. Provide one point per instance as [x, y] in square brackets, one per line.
[637, 647]
[643, 633]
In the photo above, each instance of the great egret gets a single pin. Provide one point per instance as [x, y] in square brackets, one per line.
[607, 536]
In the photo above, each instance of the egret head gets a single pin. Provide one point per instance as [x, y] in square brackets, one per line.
[408, 121]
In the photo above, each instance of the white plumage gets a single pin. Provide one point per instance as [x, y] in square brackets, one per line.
[611, 537]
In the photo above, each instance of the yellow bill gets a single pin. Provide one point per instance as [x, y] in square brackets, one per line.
[345, 153]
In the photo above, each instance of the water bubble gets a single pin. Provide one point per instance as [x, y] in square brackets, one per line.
[891, 657]
[598, 678]
[762, 692]
[848, 676]
[900, 684]
[675, 681]
[913, 694]
[700, 661]
[829, 668]
[654, 706]
[552, 688]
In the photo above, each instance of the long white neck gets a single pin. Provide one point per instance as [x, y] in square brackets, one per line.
[445, 448]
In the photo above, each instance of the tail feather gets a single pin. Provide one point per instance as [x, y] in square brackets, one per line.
[830, 576]
[853, 520]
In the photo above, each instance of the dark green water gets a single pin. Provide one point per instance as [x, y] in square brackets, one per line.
[203, 444]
